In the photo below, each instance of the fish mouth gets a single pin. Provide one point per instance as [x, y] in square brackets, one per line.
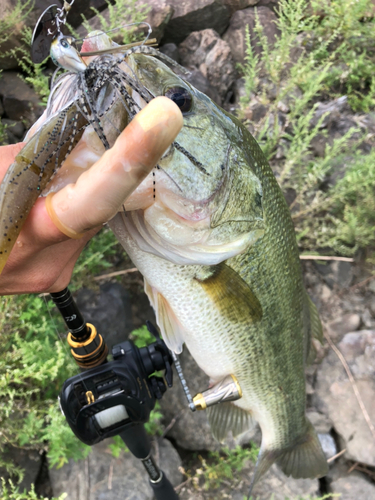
[160, 186]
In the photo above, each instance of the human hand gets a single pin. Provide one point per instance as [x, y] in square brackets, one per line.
[43, 257]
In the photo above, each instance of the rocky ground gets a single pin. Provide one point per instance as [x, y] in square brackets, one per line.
[207, 36]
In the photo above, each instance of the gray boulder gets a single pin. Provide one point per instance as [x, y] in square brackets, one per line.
[334, 394]
[196, 16]
[102, 477]
[30, 461]
[189, 430]
[159, 14]
[20, 102]
[207, 52]
[235, 35]
[354, 487]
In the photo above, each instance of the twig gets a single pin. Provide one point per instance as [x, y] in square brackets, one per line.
[352, 381]
[352, 468]
[336, 456]
[325, 257]
[171, 423]
[110, 476]
[361, 283]
[181, 485]
[116, 273]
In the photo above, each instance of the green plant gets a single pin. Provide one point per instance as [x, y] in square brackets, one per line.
[120, 13]
[299, 67]
[142, 337]
[33, 367]
[354, 59]
[95, 258]
[9, 491]
[222, 465]
[13, 18]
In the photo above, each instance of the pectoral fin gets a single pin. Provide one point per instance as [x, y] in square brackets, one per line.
[170, 327]
[230, 294]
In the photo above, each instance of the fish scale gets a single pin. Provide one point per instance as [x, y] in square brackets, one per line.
[218, 252]
[247, 315]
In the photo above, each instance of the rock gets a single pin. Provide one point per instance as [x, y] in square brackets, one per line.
[277, 486]
[19, 100]
[196, 16]
[342, 273]
[371, 286]
[336, 272]
[75, 15]
[256, 112]
[170, 50]
[343, 325]
[318, 145]
[367, 319]
[235, 5]
[334, 394]
[109, 310]
[158, 17]
[328, 445]
[330, 110]
[235, 35]
[16, 128]
[322, 424]
[206, 51]
[190, 430]
[28, 460]
[101, 476]
[99, 4]
[201, 83]
[354, 487]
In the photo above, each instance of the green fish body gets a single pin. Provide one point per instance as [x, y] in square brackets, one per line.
[217, 248]
[211, 233]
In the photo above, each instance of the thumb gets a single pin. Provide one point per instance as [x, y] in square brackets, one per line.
[99, 192]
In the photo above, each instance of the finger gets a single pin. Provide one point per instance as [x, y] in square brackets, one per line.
[8, 154]
[99, 192]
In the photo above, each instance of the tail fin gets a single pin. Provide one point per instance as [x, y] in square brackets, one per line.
[304, 460]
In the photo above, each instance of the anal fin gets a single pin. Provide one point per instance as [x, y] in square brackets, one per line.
[225, 417]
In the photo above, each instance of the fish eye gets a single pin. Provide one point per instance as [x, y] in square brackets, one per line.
[181, 97]
[64, 43]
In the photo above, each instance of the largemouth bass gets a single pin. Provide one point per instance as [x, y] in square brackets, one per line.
[211, 233]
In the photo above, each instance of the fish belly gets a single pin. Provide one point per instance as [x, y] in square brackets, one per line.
[221, 345]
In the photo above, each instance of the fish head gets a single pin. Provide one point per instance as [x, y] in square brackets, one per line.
[203, 201]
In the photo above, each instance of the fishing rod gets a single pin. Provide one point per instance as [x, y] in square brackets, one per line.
[114, 398]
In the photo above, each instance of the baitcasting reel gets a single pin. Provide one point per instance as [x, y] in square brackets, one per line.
[104, 401]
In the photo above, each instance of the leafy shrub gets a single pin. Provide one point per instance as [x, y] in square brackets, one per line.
[10, 492]
[300, 69]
